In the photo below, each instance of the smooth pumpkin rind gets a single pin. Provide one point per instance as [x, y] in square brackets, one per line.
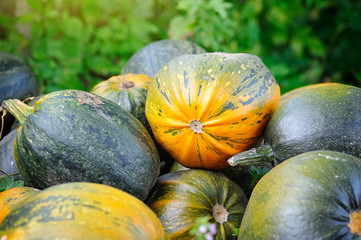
[326, 117]
[74, 136]
[10, 197]
[231, 95]
[152, 57]
[182, 197]
[309, 196]
[82, 211]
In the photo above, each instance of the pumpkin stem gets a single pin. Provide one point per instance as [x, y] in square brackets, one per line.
[257, 155]
[220, 213]
[196, 126]
[127, 85]
[17, 108]
[355, 223]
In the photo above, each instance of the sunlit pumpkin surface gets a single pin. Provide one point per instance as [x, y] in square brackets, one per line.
[204, 108]
[82, 211]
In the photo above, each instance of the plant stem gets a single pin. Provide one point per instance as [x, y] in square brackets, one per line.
[17, 108]
[253, 156]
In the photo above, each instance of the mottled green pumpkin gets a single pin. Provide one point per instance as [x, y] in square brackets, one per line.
[314, 195]
[7, 159]
[82, 211]
[129, 91]
[152, 57]
[183, 197]
[75, 136]
[204, 108]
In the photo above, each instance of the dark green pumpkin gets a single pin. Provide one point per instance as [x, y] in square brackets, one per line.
[152, 57]
[324, 117]
[16, 81]
[315, 195]
[7, 159]
[72, 136]
[183, 197]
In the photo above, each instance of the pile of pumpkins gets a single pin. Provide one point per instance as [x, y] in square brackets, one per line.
[103, 164]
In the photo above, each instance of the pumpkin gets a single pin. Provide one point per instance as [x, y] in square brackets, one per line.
[129, 91]
[288, 95]
[10, 197]
[204, 108]
[182, 198]
[82, 211]
[326, 117]
[7, 159]
[314, 195]
[152, 57]
[75, 136]
[16, 81]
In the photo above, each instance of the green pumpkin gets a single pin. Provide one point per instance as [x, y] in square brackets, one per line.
[152, 57]
[321, 117]
[314, 195]
[73, 136]
[16, 81]
[183, 197]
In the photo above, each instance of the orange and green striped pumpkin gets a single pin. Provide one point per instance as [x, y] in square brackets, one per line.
[10, 197]
[129, 91]
[204, 108]
[82, 211]
[182, 198]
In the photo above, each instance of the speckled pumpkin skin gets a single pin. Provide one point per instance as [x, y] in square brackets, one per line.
[74, 136]
[183, 197]
[309, 196]
[129, 91]
[232, 95]
[324, 117]
[82, 211]
[9, 198]
[152, 57]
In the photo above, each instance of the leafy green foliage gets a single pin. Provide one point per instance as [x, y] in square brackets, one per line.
[76, 44]
[7, 183]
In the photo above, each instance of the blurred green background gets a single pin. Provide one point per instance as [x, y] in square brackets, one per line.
[76, 44]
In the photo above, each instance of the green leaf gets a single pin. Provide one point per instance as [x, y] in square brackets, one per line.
[7, 183]
[36, 5]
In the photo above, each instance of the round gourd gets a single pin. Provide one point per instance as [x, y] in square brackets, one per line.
[16, 81]
[82, 211]
[10, 197]
[183, 197]
[322, 117]
[315, 195]
[152, 57]
[129, 91]
[204, 108]
[288, 95]
[75, 136]
[7, 159]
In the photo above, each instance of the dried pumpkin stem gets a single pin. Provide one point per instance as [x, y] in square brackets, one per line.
[253, 156]
[17, 108]
[220, 213]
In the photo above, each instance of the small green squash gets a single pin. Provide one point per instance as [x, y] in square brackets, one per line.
[80, 211]
[75, 136]
[129, 91]
[314, 195]
[183, 197]
[152, 57]
[16, 81]
[204, 108]
[322, 117]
